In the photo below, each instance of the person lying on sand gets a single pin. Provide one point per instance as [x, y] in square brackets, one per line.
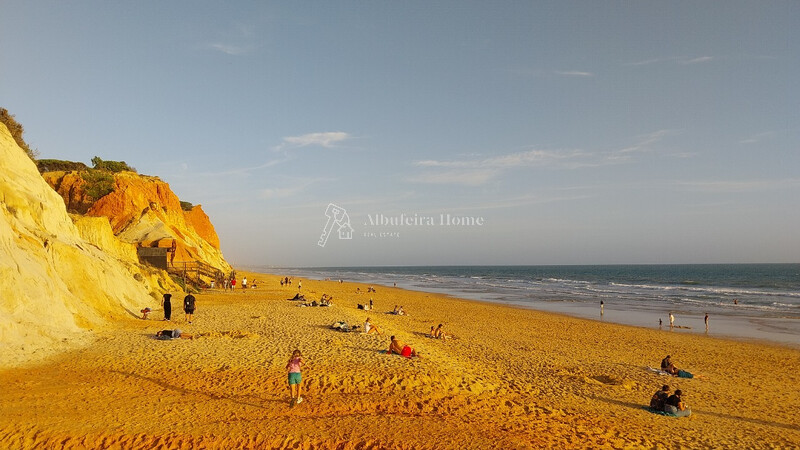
[659, 399]
[369, 328]
[399, 348]
[173, 334]
[669, 367]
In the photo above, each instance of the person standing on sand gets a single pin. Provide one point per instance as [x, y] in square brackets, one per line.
[671, 320]
[295, 378]
[188, 307]
[244, 283]
[167, 304]
[299, 285]
[706, 321]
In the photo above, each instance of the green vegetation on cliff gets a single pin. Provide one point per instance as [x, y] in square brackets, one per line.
[17, 130]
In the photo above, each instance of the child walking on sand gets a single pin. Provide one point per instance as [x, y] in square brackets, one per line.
[294, 376]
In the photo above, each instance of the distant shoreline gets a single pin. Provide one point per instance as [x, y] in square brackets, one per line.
[739, 324]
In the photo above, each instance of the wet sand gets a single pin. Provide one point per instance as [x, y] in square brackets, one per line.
[513, 378]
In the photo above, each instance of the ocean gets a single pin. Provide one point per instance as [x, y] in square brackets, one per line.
[742, 300]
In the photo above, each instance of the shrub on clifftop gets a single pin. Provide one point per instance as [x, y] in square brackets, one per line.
[16, 130]
[111, 166]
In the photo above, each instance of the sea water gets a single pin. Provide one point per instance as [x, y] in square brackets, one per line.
[742, 300]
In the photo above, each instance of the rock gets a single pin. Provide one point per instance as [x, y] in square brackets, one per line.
[58, 278]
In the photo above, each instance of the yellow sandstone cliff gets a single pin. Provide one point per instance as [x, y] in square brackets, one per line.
[59, 278]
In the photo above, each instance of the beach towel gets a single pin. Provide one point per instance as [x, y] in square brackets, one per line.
[658, 371]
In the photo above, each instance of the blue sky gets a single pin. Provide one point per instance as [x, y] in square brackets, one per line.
[577, 132]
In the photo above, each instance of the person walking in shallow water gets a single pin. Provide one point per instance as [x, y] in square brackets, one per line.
[671, 320]
[706, 321]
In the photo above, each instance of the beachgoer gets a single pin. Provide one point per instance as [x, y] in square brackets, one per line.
[671, 320]
[669, 367]
[173, 334]
[395, 310]
[370, 304]
[433, 332]
[233, 284]
[188, 307]
[400, 348]
[167, 304]
[706, 321]
[659, 399]
[299, 285]
[675, 405]
[659, 322]
[735, 302]
[244, 283]
[145, 312]
[601, 307]
[295, 378]
[439, 333]
[369, 328]
[400, 311]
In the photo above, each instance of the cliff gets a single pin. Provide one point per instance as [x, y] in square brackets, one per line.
[59, 278]
[144, 211]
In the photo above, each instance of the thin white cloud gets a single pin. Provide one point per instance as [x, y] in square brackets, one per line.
[485, 169]
[230, 49]
[724, 186]
[574, 73]
[326, 139]
[529, 158]
[756, 138]
[467, 177]
[672, 59]
[244, 170]
[645, 143]
[293, 187]
[700, 59]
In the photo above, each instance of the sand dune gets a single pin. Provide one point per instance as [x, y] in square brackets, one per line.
[513, 379]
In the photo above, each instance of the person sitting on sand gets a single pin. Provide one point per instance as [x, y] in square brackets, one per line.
[395, 310]
[659, 399]
[675, 405]
[145, 312]
[440, 334]
[433, 332]
[669, 367]
[173, 334]
[369, 328]
[399, 348]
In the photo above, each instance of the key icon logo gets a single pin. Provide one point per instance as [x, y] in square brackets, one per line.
[337, 218]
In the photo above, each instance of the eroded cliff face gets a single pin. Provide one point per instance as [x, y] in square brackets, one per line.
[59, 278]
[143, 210]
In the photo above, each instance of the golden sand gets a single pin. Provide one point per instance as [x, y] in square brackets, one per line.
[512, 378]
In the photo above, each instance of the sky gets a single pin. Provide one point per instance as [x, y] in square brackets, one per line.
[434, 133]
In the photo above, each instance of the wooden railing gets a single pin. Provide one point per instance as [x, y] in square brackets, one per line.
[195, 272]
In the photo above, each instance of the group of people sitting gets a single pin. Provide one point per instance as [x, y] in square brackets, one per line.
[438, 333]
[673, 404]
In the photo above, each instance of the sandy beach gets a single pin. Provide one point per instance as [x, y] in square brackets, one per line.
[511, 378]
